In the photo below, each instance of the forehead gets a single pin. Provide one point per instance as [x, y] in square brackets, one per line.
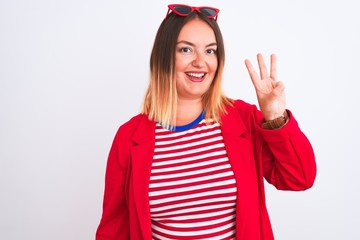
[198, 32]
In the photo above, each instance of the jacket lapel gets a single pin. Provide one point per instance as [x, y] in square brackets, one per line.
[237, 139]
[233, 129]
[141, 156]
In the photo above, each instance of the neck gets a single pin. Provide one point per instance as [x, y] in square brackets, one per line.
[188, 111]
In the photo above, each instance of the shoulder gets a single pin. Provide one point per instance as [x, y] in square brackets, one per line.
[132, 122]
[241, 111]
[129, 128]
[242, 105]
[243, 108]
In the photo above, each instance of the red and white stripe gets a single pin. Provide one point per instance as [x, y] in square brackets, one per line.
[192, 186]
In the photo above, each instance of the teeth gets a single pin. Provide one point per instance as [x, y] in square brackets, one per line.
[197, 75]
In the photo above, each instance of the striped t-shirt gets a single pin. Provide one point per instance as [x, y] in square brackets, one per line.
[192, 188]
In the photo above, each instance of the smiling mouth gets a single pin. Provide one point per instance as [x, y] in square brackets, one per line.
[196, 77]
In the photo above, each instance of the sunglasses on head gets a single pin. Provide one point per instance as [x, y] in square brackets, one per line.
[185, 10]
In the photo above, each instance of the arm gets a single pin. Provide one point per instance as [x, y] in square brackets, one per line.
[287, 157]
[115, 219]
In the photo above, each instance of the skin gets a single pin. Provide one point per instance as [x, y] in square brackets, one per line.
[269, 91]
[196, 54]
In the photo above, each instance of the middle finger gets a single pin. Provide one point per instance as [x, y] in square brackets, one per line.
[262, 66]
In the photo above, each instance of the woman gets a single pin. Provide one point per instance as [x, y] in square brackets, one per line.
[192, 164]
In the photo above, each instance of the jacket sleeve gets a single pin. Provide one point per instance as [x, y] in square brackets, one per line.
[114, 221]
[287, 156]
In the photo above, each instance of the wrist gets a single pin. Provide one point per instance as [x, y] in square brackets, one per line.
[277, 122]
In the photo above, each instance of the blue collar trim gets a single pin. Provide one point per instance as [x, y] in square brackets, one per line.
[189, 125]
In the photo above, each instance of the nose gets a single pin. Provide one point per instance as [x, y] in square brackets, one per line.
[199, 60]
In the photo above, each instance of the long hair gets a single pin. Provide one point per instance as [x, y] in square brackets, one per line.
[160, 102]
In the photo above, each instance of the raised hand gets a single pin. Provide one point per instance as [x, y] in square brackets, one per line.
[270, 92]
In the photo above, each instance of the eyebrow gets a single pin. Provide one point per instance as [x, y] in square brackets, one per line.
[191, 44]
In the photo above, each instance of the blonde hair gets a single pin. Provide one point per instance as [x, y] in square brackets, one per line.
[160, 102]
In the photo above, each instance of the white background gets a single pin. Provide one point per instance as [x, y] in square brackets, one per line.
[71, 72]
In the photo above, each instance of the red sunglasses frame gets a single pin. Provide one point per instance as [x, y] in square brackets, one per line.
[198, 9]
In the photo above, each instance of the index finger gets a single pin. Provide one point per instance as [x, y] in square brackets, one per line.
[253, 74]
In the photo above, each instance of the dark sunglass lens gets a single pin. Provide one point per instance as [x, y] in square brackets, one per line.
[182, 9]
[208, 12]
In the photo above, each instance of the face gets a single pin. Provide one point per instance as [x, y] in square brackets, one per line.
[195, 60]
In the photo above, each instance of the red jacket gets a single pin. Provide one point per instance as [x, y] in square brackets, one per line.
[284, 157]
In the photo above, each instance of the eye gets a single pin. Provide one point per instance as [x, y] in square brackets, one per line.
[185, 50]
[211, 51]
